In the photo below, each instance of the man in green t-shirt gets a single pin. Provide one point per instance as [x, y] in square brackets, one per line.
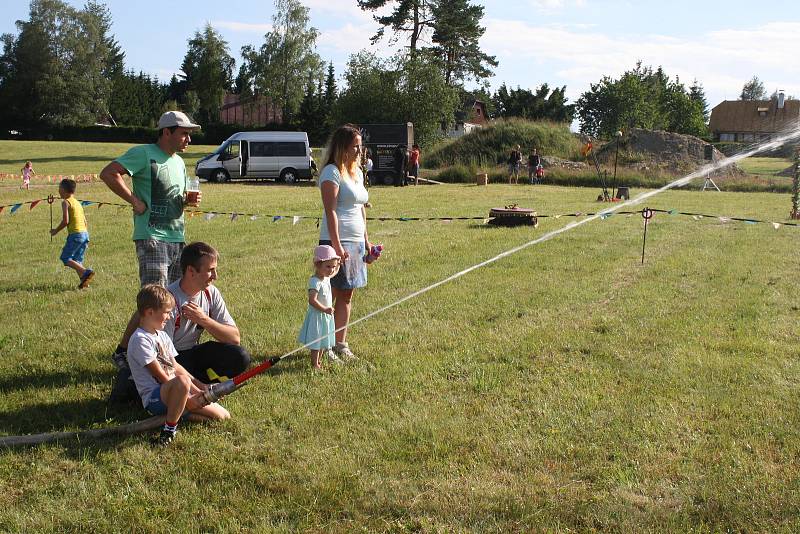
[158, 197]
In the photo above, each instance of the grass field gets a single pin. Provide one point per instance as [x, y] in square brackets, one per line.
[564, 388]
[764, 166]
[64, 157]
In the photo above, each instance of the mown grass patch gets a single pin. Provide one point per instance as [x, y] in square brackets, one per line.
[565, 387]
[764, 166]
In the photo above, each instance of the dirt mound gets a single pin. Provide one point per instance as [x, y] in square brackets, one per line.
[552, 161]
[656, 150]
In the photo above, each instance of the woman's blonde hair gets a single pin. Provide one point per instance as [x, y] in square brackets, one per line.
[338, 145]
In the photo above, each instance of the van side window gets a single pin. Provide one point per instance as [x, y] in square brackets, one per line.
[232, 150]
[261, 149]
[292, 149]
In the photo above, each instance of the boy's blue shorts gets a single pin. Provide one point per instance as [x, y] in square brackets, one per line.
[156, 406]
[75, 247]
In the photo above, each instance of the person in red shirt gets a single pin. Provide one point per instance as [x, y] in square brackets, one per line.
[413, 161]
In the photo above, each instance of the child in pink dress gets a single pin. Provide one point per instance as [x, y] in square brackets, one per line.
[27, 171]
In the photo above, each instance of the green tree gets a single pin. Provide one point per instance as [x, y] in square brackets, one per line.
[407, 16]
[190, 104]
[456, 31]
[280, 68]
[540, 105]
[100, 16]
[208, 71]
[397, 90]
[641, 98]
[371, 90]
[683, 114]
[137, 99]
[698, 95]
[57, 70]
[753, 90]
[309, 114]
[327, 100]
[427, 99]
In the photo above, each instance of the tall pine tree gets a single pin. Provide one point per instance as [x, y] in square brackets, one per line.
[456, 31]
[208, 71]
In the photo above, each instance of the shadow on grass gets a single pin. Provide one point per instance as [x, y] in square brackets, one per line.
[48, 287]
[53, 379]
[67, 416]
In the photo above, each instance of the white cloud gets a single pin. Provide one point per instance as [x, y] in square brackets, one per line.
[349, 38]
[243, 27]
[722, 61]
[338, 9]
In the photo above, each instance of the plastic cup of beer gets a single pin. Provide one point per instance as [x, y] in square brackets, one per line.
[192, 190]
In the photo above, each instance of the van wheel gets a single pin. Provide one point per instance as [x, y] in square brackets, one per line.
[220, 176]
[288, 176]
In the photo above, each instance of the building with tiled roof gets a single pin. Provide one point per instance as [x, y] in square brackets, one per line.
[746, 121]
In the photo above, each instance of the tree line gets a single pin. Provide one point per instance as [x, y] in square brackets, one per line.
[64, 68]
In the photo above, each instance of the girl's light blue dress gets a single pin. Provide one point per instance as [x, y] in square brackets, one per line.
[317, 323]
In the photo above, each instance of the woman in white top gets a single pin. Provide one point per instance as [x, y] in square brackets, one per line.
[344, 224]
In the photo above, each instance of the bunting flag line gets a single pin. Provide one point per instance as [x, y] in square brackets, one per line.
[296, 219]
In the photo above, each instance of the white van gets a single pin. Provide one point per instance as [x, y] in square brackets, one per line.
[285, 156]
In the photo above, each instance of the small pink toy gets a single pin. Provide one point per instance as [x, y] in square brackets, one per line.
[373, 254]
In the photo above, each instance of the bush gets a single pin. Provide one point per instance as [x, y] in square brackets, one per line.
[491, 144]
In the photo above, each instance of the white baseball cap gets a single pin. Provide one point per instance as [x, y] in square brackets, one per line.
[176, 118]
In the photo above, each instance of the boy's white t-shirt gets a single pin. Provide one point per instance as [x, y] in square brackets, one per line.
[145, 348]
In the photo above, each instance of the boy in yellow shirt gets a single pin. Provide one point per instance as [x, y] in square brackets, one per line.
[74, 220]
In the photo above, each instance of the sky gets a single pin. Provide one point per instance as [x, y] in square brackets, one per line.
[572, 43]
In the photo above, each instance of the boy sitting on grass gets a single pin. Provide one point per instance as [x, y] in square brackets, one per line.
[163, 384]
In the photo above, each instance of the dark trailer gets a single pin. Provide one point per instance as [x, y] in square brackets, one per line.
[381, 140]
